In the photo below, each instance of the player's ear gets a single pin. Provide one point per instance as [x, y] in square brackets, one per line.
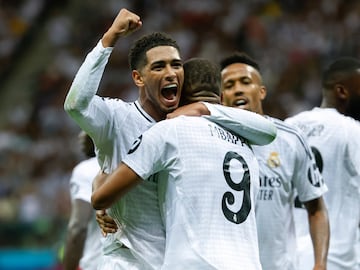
[137, 78]
[341, 91]
[263, 92]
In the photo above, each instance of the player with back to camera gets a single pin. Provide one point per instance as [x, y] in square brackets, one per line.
[83, 240]
[333, 131]
[113, 124]
[286, 165]
[208, 178]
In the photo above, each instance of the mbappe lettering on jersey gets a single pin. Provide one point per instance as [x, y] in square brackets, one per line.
[225, 135]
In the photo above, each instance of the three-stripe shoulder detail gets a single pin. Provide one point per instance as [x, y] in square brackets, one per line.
[292, 130]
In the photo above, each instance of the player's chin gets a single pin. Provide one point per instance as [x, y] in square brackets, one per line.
[170, 106]
[169, 109]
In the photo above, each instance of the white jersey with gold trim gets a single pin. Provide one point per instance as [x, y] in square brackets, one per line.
[334, 139]
[211, 183]
[286, 169]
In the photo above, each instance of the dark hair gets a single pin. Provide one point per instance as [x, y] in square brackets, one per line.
[339, 70]
[239, 57]
[137, 54]
[202, 80]
[87, 144]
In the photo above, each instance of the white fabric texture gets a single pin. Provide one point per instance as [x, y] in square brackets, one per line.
[206, 166]
[80, 189]
[336, 140]
[286, 170]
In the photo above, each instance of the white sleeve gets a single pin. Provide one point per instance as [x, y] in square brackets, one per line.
[83, 105]
[252, 126]
[152, 149]
[87, 79]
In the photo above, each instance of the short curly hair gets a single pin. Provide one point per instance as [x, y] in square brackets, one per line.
[137, 55]
[202, 80]
[339, 70]
[239, 57]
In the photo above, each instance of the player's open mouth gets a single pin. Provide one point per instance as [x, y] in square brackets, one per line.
[240, 102]
[169, 92]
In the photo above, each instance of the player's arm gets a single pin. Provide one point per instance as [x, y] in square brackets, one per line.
[106, 223]
[105, 193]
[86, 82]
[193, 109]
[81, 213]
[81, 102]
[251, 126]
[319, 231]
[130, 171]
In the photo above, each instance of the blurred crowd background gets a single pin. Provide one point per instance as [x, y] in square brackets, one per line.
[43, 43]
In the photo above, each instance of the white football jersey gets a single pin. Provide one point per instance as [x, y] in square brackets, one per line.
[142, 232]
[334, 139]
[113, 125]
[81, 189]
[287, 168]
[211, 180]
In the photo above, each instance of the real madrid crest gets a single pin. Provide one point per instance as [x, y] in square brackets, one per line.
[273, 160]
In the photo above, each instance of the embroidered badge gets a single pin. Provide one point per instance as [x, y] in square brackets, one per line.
[273, 160]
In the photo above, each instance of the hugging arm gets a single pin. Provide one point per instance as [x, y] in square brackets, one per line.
[107, 191]
[252, 126]
[106, 223]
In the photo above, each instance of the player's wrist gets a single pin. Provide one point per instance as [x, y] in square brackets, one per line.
[319, 266]
[203, 108]
[110, 38]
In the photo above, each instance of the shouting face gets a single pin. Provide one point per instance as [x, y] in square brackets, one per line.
[160, 81]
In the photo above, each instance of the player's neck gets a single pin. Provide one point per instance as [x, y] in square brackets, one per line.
[332, 105]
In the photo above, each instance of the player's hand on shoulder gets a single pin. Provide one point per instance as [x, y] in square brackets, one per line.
[319, 267]
[194, 109]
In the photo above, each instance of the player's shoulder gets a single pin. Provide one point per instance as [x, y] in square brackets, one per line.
[332, 117]
[89, 167]
[291, 134]
[184, 120]
[181, 122]
[302, 116]
[351, 122]
[285, 127]
[163, 127]
[90, 163]
[116, 102]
